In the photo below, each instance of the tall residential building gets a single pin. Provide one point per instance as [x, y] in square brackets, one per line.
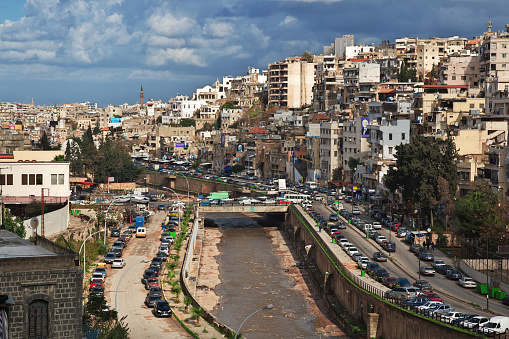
[460, 69]
[290, 83]
[330, 151]
[338, 47]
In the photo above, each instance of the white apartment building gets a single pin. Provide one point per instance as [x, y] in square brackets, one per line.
[354, 145]
[330, 152]
[338, 47]
[385, 135]
[353, 52]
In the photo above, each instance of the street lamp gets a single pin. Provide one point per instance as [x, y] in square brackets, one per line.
[116, 292]
[266, 307]
[85, 251]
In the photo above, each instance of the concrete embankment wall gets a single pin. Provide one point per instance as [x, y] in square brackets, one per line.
[382, 318]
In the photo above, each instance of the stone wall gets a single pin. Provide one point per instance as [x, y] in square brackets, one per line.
[55, 279]
[392, 322]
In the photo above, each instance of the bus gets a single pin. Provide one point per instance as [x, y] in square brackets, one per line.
[296, 198]
[311, 184]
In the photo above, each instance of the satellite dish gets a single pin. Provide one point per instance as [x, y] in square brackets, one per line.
[34, 223]
[429, 230]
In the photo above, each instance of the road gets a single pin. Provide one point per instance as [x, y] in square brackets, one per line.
[131, 292]
[409, 263]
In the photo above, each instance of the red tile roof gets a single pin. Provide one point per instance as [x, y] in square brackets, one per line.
[258, 130]
[319, 116]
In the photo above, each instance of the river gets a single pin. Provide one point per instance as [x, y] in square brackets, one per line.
[257, 268]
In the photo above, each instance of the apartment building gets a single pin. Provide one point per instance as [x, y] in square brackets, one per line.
[338, 47]
[460, 69]
[330, 148]
[290, 83]
[355, 145]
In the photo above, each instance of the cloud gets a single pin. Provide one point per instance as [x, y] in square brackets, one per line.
[168, 25]
[185, 56]
[287, 21]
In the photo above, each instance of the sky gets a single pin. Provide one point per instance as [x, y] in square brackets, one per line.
[67, 51]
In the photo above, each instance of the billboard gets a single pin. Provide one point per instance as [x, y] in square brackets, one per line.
[181, 144]
[222, 141]
[282, 184]
[114, 122]
[364, 127]
[240, 148]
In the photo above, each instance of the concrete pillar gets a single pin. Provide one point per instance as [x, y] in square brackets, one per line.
[372, 324]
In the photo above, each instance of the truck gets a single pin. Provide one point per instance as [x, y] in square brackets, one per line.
[140, 221]
[219, 195]
[205, 203]
[498, 324]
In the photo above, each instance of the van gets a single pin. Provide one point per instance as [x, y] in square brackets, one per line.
[141, 232]
[367, 228]
[497, 324]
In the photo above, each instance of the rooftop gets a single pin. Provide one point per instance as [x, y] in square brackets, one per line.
[13, 246]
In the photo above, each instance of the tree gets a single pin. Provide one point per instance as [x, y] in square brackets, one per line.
[59, 158]
[159, 119]
[337, 174]
[97, 315]
[44, 143]
[228, 105]
[176, 289]
[482, 213]
[419, 166]
[307, 56]
[353, 163]
[14, 224]
[238, 168]
[187, 302]
[187, 122]
[97, 130]
[197, 313]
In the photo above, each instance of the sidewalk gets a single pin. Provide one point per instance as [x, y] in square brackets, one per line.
[201, 329]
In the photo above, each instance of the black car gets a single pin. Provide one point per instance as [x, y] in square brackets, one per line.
[463, 318]
[341, 225]
[333, 217]
[115, 232]
[154, 268]
[157, 261]
[505, 301]
[109, 257]
[371, 267]
[380, 273]
[155, 291]
[442, 269]
[97, 290]
[162, 309]
[149, 273]
[423, 285]
[161, 255]
[379, 256]
[151, 300]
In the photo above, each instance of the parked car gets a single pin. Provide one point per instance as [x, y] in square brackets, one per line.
[351, 251]
[101, 270]
[401, 232]
[371, 267]
[423, 285]
[356, 211]
[149, 273]
[379, 274]
[161, 255]
[505, 300]
[151, 300]
[427, 270]
[449, 317]
[437, 262]
[402, 293]
[463, 318]
[440, 309]
[377, 225]
[363, 262]
[115, 232]
[415, 302]
[431, 296]
[151, 282]
[402, 282]
[97, 290]
[379, 256]
[453, 275]
[389, 246]
[428, 305]
[118, 263]
[341, 225]
[442, 269]
[426, 256]
[467, 282]
[333, 217]
[498, 324]
[162, 309]
[109, 257]
[98, 276]
[96, 282]
[475, 322]
[155, 290]
[390, 282]
[380, 239]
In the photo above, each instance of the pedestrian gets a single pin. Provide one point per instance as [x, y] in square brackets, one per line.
[427, 246]
[432, 246]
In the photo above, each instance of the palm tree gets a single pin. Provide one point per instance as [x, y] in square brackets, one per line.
[197, 313]
[176, 289]
[187, 301]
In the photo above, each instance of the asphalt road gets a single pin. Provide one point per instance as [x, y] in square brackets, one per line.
[409, 263]
[131, 292]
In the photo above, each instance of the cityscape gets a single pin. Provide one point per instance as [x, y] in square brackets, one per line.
[330, 192]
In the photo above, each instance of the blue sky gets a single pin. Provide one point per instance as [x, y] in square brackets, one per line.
[58, 51]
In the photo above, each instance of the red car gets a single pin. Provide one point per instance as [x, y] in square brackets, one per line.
[390, 282]
[151, 282]
[285, 202]
[431, 296]
[96, 283]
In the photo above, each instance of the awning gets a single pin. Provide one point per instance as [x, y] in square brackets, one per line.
[86, 183]
[228, 168]
[205, 164]
[387, 91]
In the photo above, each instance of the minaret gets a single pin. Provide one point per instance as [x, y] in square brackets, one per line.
[141, 96]
[489, 25]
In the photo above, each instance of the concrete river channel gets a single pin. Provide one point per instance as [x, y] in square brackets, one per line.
[256, 266]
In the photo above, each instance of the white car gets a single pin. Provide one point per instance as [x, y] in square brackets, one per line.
[165, 249]
[351, 251]
[467, 282]
[344, 242]
[347, 246]
[363, 262]
[118, 263]
[450, 316]
[271, 202]
[356, 211]
[380, 239]
[377, 225]
[428, 304]
[476, 322]
[98, 276]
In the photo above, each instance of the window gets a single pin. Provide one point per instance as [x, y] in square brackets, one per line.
[453, 77]
[24, 179]
[54, 179]
[38, 319]
[390, 136]
[38, 179]
[402, 136]
[471, 105]
[390, 150]
[4, 177]
[463, 77]
[504, 55]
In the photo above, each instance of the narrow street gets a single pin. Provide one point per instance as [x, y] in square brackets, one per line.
[131, 292]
